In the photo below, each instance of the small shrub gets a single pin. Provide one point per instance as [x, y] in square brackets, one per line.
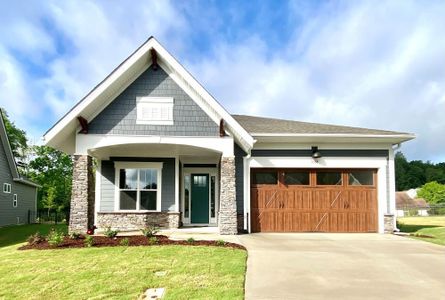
[220, 243]
[75, 235]
[152, 240]
[110, 233]
[124, 242]
[89, 241]
[35, 238]
[149, 231]
[55, 238]
[191, 240]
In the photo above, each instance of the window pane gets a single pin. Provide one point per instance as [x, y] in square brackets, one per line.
[186, 195]
[128, 199]
[128, 179]
[297, 178]
[265, 178]
[148, 200]
[212, 196]
[361, 178]
[329, 178]
[148, 179]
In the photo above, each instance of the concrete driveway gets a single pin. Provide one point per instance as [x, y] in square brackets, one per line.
[343, 266]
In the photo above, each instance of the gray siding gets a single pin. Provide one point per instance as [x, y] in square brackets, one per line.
[167, 189]
[239, 178]
[119, 117]
[25, 196]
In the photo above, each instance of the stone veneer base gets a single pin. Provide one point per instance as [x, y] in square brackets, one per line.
[388, 221]
[125, 221]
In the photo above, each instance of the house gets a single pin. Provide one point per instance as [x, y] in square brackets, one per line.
[169, 154]
[18, 197]
[407, 203]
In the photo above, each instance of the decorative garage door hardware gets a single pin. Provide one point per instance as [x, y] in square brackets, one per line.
[326, 213]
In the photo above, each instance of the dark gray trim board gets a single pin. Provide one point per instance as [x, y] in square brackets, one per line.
[323, 152]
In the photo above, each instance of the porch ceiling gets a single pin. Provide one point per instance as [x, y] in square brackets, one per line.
[154, 150]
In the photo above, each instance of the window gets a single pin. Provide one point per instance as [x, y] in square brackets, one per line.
[14, 200]
[329, 178]
[296, 178]
[7, 188]
[139, 186]
[186, 195]
[154, 110]
[212, 197]
[361, 178]
[265, 177]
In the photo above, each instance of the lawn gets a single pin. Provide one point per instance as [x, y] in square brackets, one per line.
[17, 234]
[192, 272]
[433, 226]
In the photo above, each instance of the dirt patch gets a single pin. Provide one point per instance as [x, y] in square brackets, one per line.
[138, 240]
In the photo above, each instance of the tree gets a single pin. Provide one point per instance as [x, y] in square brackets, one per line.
[53, 170]
[17, 138]
[433, 192]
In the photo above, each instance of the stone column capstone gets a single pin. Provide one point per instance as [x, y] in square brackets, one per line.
[227, 202]
[82, 195]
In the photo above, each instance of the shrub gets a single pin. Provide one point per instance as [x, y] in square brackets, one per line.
[191, 240]
[124, 242]
[110, 233]
[220, 243]
[75, 235]
[149, 231]
[35, 238]
[55, 237]
[153, 240]
[89, 241]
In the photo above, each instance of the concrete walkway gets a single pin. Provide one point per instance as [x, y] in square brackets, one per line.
[343, 266]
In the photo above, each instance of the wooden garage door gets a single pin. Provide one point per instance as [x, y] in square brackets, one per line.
[301, 200]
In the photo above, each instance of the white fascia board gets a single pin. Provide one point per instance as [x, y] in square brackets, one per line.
[321, 146]
[98, 90]
[411, 136]
[86, 142]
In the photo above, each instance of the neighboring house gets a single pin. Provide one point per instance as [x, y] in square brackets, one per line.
[169, 154]
[18, 196]
[407, 204]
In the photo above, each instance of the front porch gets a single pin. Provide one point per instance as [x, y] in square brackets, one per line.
[166, 185]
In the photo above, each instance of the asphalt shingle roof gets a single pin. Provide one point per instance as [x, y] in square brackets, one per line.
[262, 125]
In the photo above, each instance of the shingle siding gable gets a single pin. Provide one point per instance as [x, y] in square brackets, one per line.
[119, 117]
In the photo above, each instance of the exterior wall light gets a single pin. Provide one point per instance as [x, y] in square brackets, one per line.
[315, 153]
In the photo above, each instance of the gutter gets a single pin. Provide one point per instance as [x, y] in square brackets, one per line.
[27, 182]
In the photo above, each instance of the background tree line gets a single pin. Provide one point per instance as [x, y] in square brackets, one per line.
[45, 166]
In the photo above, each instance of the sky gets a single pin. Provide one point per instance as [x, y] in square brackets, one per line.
[373, 64]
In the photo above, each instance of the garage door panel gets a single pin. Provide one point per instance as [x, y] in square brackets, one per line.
[294, 208]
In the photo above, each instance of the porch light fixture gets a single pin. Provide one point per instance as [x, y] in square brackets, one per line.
[315, 153]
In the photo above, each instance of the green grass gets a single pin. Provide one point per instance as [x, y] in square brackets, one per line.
[18, 234]
[193, 272]
[433, 226]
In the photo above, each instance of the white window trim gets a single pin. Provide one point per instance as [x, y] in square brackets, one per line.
[7, 188]
[137, 165]
[154, 100]
[14, 200]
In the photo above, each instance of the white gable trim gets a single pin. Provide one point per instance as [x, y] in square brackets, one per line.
[122, 76]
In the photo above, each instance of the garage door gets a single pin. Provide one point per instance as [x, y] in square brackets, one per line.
[301, 200]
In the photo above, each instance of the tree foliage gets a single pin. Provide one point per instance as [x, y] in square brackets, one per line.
[53, 170]
[416, 173]
[17, 138]
[433, 192]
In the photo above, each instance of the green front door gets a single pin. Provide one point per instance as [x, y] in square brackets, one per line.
[200, 198]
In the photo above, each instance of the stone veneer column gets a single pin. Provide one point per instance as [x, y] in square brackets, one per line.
[82, 195]
[388, 223]
[227, 201]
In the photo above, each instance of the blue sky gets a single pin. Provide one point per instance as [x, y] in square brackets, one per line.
[359, 63]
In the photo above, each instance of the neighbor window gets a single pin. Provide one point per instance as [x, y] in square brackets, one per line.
[139, 188]
[296, 178]
[154, 110]
[7, 188]
[329, 178]
[361, 178]
[14, 200]
[265, 177]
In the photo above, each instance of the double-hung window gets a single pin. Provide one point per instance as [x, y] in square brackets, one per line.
[14, 200]
[7, 188]
[138, 186]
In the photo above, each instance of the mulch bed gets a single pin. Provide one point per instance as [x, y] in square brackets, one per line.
[137, 240]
